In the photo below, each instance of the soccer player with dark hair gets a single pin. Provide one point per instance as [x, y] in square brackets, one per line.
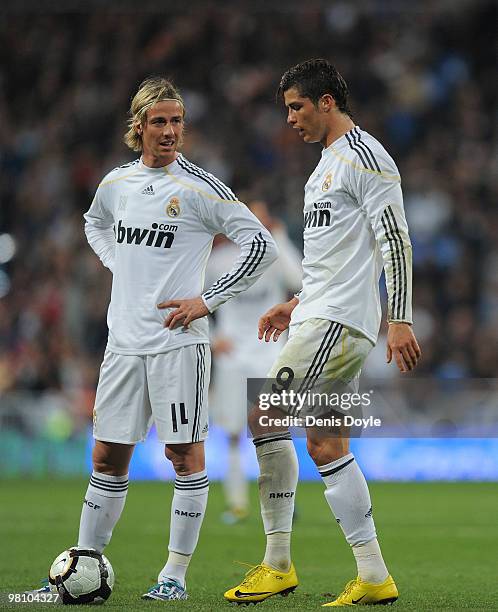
[152, 223]
[354, 226]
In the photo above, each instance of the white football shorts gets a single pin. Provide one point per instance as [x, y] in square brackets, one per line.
[319, 355]
[168, 389]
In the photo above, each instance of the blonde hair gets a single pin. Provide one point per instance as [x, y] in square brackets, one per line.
[151, 91]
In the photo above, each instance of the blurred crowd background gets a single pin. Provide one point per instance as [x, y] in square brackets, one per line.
[422, 78]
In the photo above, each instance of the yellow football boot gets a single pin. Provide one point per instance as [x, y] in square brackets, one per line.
[360, 593]
[262, 582]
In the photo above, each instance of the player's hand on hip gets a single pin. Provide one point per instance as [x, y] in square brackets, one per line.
[275, 321]
[403, 346]
[185, 311]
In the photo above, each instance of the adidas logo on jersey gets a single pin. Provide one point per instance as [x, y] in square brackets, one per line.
[150, 237]
[148, 190]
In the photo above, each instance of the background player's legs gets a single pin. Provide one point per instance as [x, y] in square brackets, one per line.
[106, 494]
[187, 509]
[229, 412]
[235, 483]
[277, 483]
[349, 499]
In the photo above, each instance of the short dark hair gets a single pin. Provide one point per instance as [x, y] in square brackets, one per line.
[315, 78]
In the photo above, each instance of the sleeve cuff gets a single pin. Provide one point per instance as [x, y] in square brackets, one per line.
[210, 306]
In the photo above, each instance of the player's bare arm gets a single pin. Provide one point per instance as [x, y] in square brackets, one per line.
[276, 320]
[403, 346]
[185, 311]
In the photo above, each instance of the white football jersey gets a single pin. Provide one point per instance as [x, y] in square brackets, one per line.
[354, 225]
[238, 320]
[153, 228]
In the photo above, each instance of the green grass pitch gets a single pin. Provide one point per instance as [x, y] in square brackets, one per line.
[440, 541]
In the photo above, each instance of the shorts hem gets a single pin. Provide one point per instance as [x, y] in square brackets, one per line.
[201, 439]
[106, 439]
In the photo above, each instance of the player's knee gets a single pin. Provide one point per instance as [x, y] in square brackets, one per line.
[253, 421]
[186, 458]
[111, 459]
[325, 450]
[264, 421]
[105, 465]
[176, 457]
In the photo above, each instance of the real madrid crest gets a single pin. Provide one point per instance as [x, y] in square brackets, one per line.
[173, 208]
[327, 182]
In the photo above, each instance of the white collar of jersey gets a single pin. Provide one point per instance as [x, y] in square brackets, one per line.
[159, 170]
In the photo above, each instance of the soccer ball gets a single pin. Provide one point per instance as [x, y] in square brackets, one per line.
[81, 576]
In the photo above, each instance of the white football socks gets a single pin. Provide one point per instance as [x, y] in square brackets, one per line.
[187, 513]
[277, 553]
[104, 501]
[349, 499]
[371, 566]
[235, 483]
[277, 482]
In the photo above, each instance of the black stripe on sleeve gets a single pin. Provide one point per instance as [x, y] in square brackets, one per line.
[220, 188]
[246, 269]
[182, 164]
[211, 177]
[227, 277]
[261, 255]
[398, 238]
[358, 151]
[230, 194]
[357, 132]
[393, 261]
[361, 145]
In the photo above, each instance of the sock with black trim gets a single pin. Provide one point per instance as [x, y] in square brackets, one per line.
[277, 483]
[349, 499]
[104, 502]
[187, 513]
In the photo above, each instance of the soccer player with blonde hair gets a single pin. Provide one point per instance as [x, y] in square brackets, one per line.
[152, 223]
